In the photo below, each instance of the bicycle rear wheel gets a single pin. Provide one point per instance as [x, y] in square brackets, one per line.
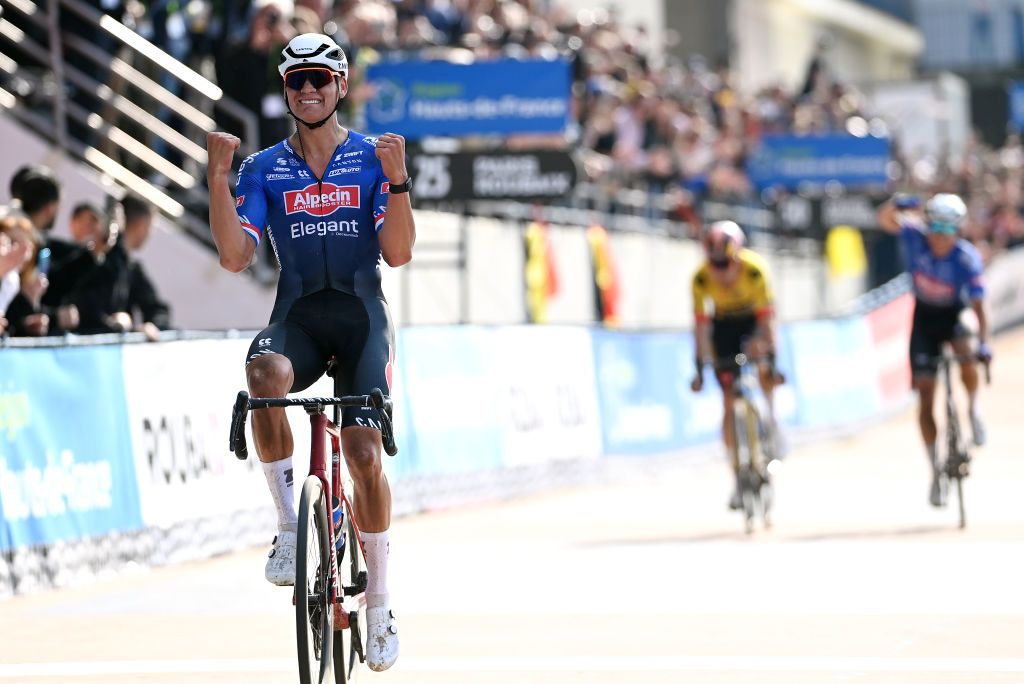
[313, 617]
[350, 643]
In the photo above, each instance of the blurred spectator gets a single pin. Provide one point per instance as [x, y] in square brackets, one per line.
[36, 192]
[117, 296]
[23, 314]
[247, 70]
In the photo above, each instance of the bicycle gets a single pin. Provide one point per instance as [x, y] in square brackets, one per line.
[955, 460]
[754, 439]
[330, 604]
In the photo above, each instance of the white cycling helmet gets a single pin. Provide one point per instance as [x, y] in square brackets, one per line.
[945, 212]
[313, 49]
[722, 241]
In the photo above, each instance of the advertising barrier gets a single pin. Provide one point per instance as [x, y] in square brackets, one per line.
[179, 396]
[500, 97]
[66, 469]
[791, 161]
[1004, 287]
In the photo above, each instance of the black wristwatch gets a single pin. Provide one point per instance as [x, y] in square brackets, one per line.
[399, 188]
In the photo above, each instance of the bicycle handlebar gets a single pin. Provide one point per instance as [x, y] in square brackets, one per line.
[244, 403]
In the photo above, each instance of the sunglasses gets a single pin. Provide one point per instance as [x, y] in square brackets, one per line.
[943, 228]
[318, 78]
[720, 263]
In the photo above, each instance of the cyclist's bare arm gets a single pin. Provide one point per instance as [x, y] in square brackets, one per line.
[233, 245]
[889, 218]
[978, 305]
[398, 235]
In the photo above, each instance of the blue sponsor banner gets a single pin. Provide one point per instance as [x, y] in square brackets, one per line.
[66, 469]
[1017, 105]
[791, 161]
[834, 372]
[455, 420]
[417, 98]
[643, 382]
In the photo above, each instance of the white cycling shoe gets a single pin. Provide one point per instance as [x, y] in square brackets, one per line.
[381, 638]
[280, 568]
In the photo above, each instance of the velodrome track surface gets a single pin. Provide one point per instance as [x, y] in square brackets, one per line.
[647, 580]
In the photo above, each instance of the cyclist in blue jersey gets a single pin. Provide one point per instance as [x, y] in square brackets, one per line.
[333, 202]
[947, 277]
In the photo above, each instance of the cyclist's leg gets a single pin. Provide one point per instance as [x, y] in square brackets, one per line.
[282, 358]
[368, 364]
[926, 341]
[726, 342]
[969, 376]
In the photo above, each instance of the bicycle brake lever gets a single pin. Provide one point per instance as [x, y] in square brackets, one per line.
[387, 432]
[236, 440]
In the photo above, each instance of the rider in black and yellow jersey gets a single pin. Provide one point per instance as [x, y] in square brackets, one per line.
[740, 319]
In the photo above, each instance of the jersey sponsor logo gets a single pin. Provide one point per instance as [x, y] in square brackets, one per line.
[239, 200]
[351, 154]
[303, 173]
[385, 187]
[280, 168]
[344, 169]
[281, 161]
[322, 201]
[322, 228]
[933, 289]
[280, 176]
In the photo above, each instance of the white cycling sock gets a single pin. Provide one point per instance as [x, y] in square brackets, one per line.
[281, 478]
[975, 405]
[376, 547]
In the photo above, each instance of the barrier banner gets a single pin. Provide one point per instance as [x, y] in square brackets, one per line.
[548, 395]
[890, 337]
[179, 397]
[643, 384]
[66, 470]
[833, 373]
[790, 161]
[502, 97]
[1004, 289]
[455, 417]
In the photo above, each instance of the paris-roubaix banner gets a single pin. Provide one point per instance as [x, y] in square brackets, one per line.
[433, 98]
[519, 175]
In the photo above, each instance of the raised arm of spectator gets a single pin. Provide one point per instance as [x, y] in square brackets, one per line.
[233, 245]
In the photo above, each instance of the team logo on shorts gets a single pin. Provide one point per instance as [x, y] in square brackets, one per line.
[239, 200]
[321, 201]
[385, 187]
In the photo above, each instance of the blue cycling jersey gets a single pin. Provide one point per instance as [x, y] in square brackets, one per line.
[323, 232]
[949, 281]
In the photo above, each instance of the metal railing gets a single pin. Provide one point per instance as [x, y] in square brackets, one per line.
[129, 123]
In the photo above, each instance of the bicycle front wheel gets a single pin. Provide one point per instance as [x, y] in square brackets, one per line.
[313, 618]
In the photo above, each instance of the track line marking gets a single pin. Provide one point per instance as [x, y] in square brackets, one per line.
[538, 664]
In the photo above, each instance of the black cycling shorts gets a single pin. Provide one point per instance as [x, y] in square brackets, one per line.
[933, 327]
[728, 338]
[358, 332]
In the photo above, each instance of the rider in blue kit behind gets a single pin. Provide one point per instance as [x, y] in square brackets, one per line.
[333, 202]
[947, 278]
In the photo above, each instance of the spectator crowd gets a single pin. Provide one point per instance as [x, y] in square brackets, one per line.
[641, 119]
[88, 285]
